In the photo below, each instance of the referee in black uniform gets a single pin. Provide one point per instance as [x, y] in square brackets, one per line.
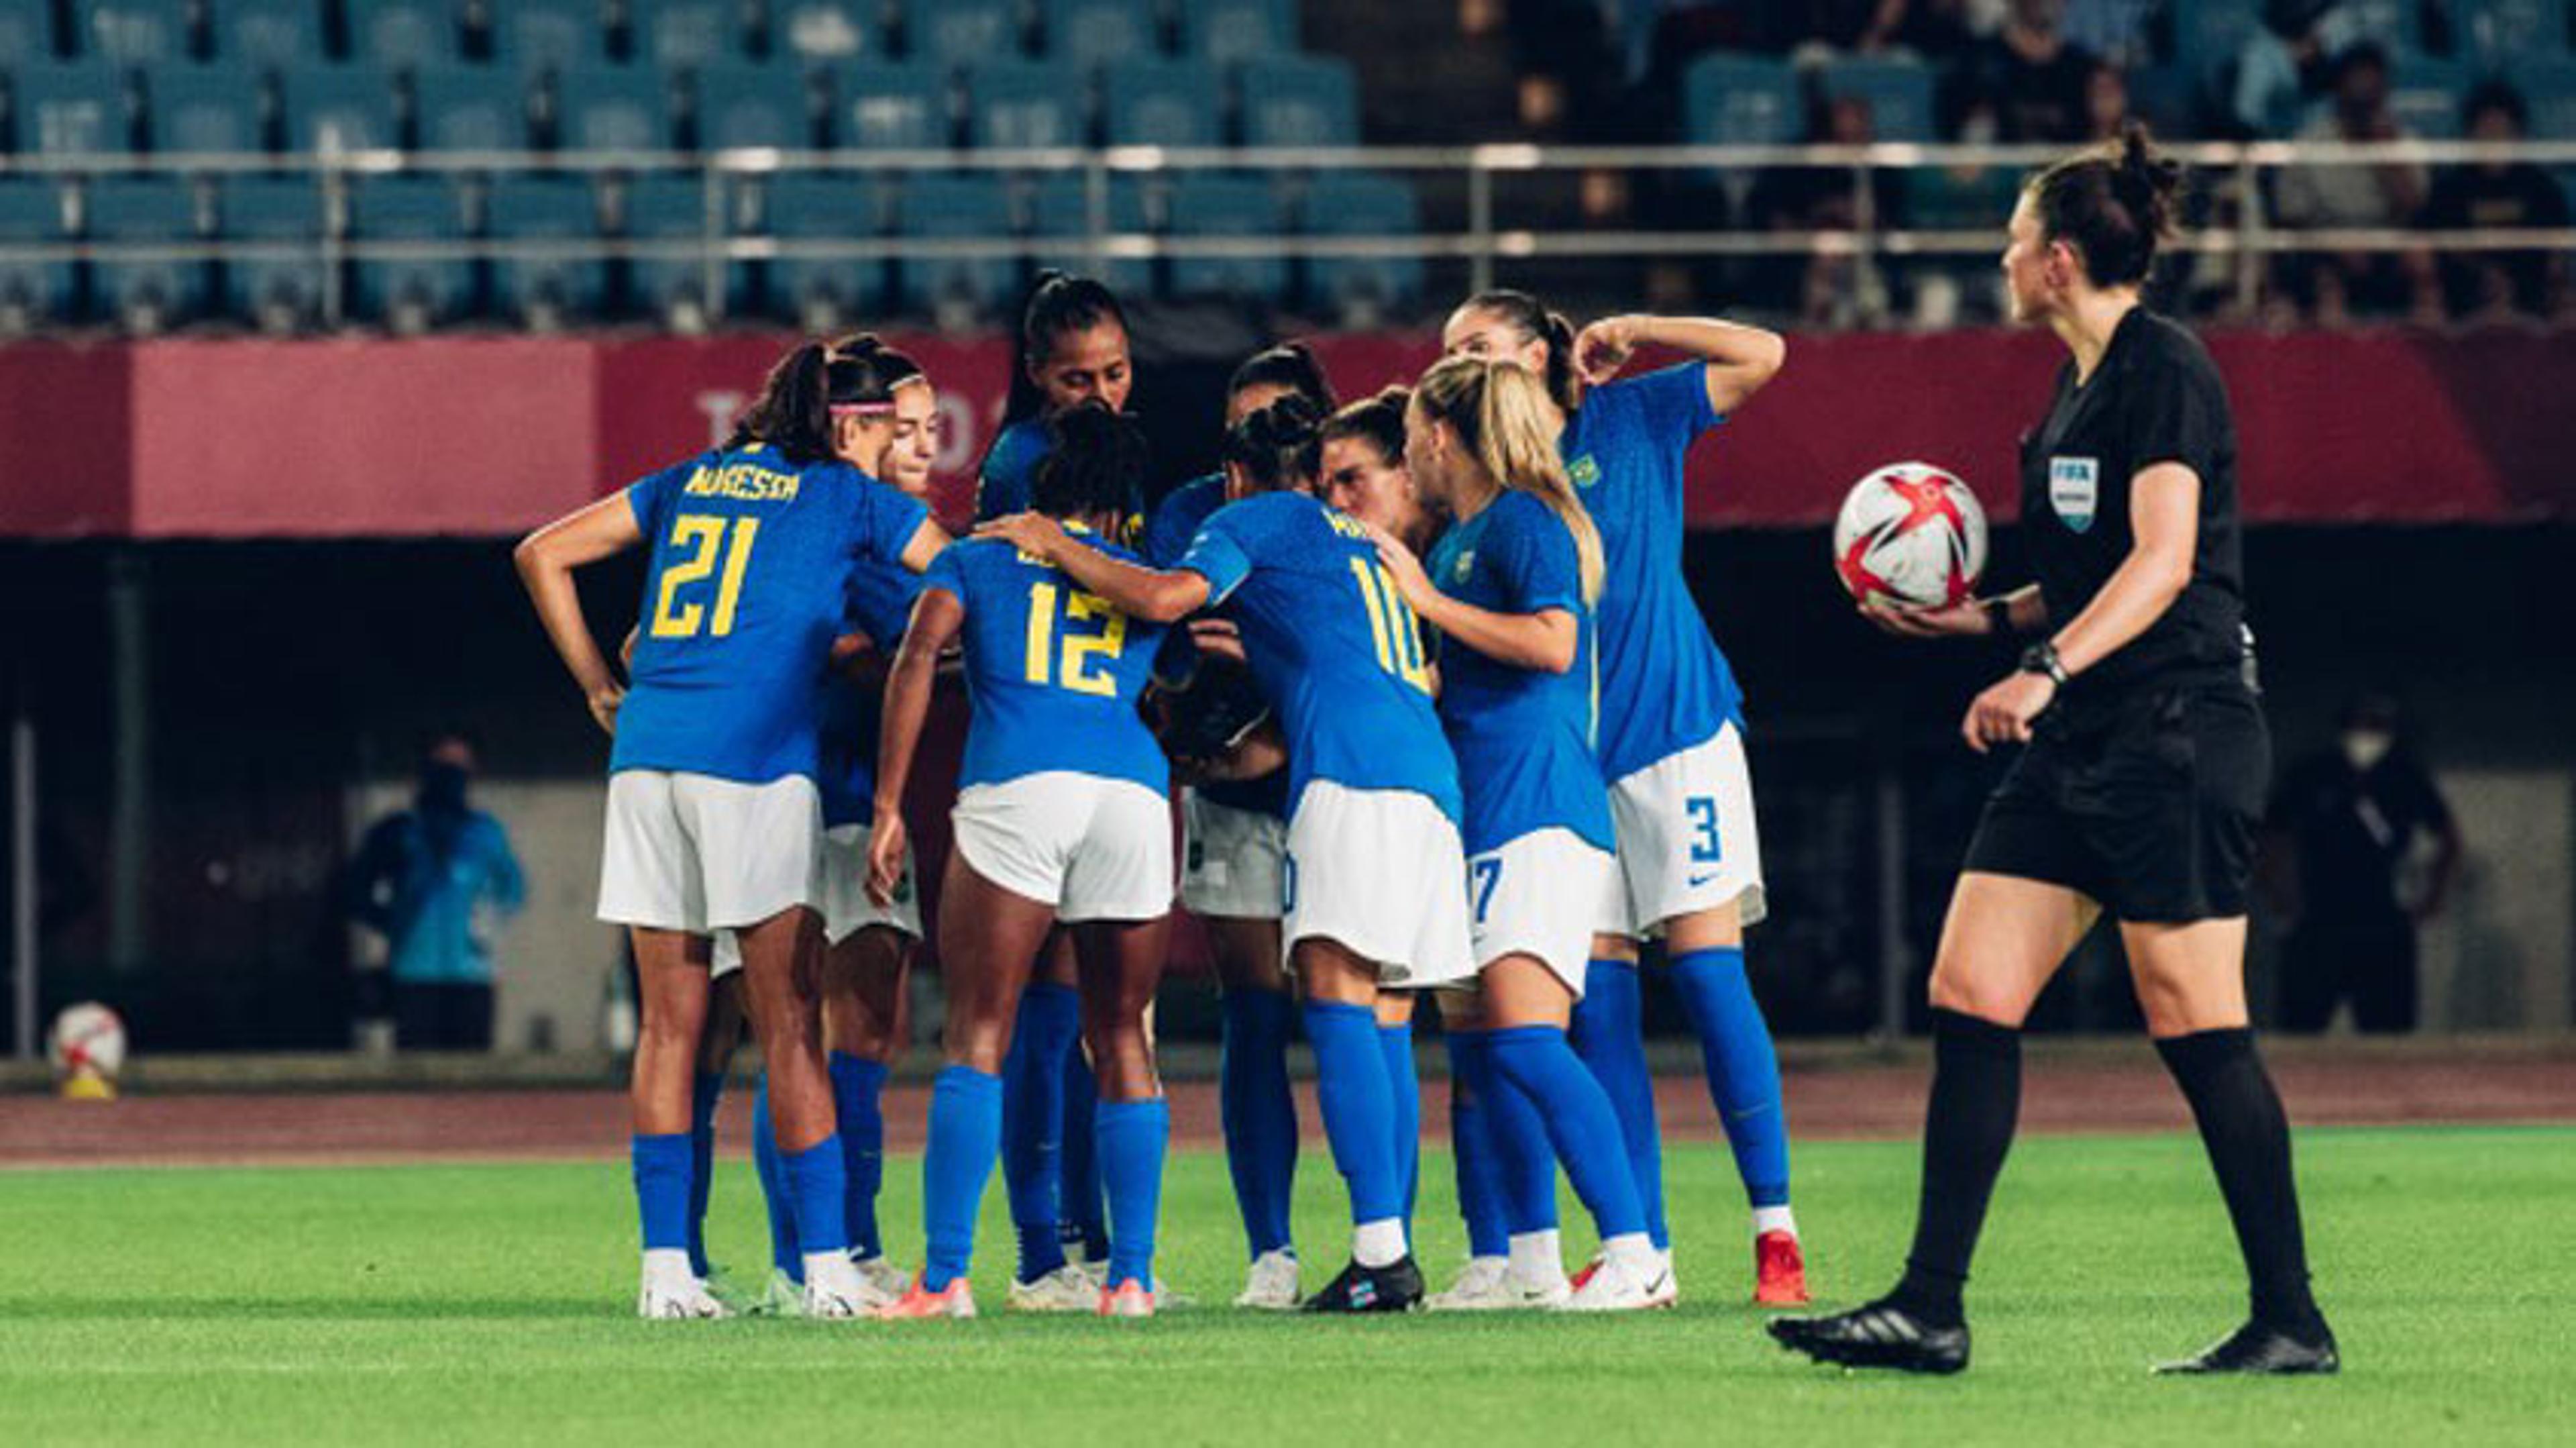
[2139, 791]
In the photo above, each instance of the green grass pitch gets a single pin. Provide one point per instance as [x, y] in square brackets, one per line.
[449, 1303]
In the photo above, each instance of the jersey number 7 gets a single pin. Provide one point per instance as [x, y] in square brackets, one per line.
[704, 537]
[1073, 667]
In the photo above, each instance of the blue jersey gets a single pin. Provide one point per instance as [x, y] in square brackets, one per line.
[877, 601]
[1333, 646]
[1054, 673]
[742, 599]
[1175, 522]
[1523, 737]
[1624, 449]
[1010, 470]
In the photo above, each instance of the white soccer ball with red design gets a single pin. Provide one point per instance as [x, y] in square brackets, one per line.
[88, 1039]
[1910, 534]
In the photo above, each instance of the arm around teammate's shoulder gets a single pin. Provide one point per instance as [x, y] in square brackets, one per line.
[1738, 359]
[1152, 594]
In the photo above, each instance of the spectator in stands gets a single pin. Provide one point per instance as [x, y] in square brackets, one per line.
[1830, 291]
[2035, 76]
[2335, 285]
[2114, 30]
[2283, 67]
[2495, 285]
[2106, 102]
[1940, 31]
[421, 879]
[2353, 817]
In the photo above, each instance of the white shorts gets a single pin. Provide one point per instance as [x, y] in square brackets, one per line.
[691, 852]
[1687, 841]
[1380, 873]
[1232, 860]
[1095, 849]
[847, 910]
[1536, 896]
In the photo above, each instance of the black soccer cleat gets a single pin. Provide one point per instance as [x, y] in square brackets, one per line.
[2259, 1347]
[1396, 1287]
[1875, 1336]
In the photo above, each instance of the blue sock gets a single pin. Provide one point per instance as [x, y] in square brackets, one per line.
[858, 1086]
[1032, 1120]
[1259, 1114]
[662, 1189]
[819, 1183]
[965, 1135]
[1471, 1145]
[1580, 1122]
[1132, 1138]
[1609, 1034]
[774, 1193]
[1524, 1162]
[1743, 1069]
[702, 1164]
[1082, 1214]
[1351, 1087]
[1404, 1092]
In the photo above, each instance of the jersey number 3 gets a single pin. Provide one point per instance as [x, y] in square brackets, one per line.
[1074, 666]
[705, 539]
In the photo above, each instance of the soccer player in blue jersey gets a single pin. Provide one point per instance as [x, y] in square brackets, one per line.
[1510, 588]
[1061, 818]
[1073, 350]
[713, 813]
[1690, 864]
[1376, 877]
[1233, 849]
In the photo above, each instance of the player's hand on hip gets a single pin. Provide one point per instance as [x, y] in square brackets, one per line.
[886, 842]
[2002, 714]
[604, 702]
[1035, 534]
[1905, 620]
[1401, 565]
[1602, 349]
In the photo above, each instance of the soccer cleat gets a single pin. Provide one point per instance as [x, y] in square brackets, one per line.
[834, 1291]
[1878, 1335]
[883, 1277]
[784, 1296]
[667, 1299]
[2259, 1348]
[918, 1302]
[1617, 1287]
[1067, 1289]
[1482, 1286]
[1165, 1294]
[1668, 1294]
[1271, 1286]
[1779, 1271]
[1396, 1287]
[721, 1286]
[1127, 1299]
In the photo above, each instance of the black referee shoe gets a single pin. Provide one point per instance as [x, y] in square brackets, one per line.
[1875, 1336]
[1396, 1287]
[2258, 1347]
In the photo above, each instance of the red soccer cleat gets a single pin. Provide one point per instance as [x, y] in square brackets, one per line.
[1128, 1299]
[954, 1300]
[1779, 1271]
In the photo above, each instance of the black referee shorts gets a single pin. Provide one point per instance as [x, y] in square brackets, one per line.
[2149, 805]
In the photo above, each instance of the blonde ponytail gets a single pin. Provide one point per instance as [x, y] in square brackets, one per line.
[1503, 416]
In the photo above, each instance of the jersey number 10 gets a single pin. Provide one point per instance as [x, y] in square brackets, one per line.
[1391, 623]
[705, 539]
[1073, 666]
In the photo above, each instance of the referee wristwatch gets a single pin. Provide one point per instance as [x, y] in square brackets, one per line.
[2041, 658]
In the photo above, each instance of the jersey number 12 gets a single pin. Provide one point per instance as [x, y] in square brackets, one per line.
[705, 539]
[1073, 666]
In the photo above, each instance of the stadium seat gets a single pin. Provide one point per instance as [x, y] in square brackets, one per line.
[1096, 32]
[145, 294]
[1022, 103]
[32, 293]
[965, 32]
[283, 291]
[824, 207]
[1356, 203]
[686, 32]
[26, 34]
[1235, 30]
[747, 104]
[342, 107]
[670, 208]
[2499, 33]
[819, 33]
[70, 109]
[972, 205]
[544, 287]
[881, 106]
[2208, 35]
[1899, 94]
[1060, 211]
[1302, 101]
[1164, 103]
[613, 108]
[540, 34]
[2548, 87]
[1212, 205]
[266, 33]
[1736, 100]
[2424, 95]
[202, 108]
[469, 108]
[132, 32]
[408, 292]
[402, 33]
[2393, 23]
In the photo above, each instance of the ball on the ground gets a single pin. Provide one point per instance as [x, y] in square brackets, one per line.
[88, 1041]
[1910, 534]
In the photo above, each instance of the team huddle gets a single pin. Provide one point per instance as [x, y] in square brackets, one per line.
[1372, 649]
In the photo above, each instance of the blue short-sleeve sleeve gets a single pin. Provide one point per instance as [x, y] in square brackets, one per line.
[1536, 561]
[888, 517]
[650, 495]
[1175, 522]
[1217, 554]
[879, 604]
[947, 572]
[1675, 403]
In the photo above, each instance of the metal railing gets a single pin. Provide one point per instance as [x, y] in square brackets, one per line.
[1484, 240]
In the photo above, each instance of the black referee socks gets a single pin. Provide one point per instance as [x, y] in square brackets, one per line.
[2248, 1137]
[1967, 1129]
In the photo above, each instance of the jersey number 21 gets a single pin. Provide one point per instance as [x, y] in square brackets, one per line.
[706, 540]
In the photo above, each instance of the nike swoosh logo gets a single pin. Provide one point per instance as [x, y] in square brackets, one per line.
[1698, 880]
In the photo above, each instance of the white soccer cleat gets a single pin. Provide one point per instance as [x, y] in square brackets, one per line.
[1067, 1289]
[886, 1279]
[1481, 1287]
[1618, 1285]
[781, 1296]
[673, 1292]
[1271, 1286]
[834, 1290]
